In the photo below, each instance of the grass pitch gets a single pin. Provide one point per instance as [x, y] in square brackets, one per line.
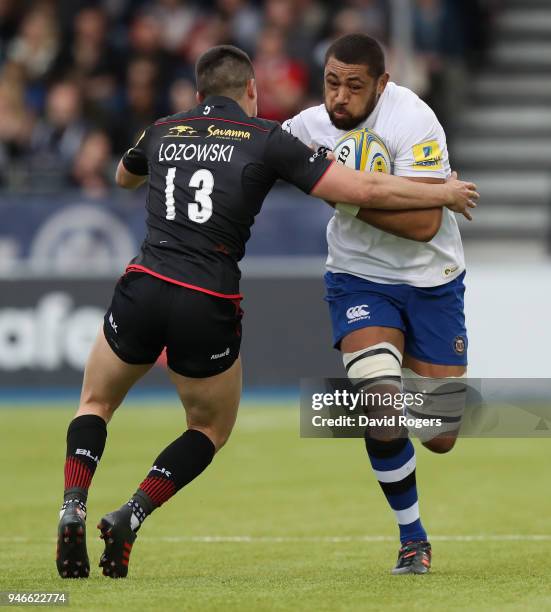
[280, 523]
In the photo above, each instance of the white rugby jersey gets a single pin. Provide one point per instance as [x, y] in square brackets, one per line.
[417, 146]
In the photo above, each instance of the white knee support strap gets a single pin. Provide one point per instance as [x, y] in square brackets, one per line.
[380, 363]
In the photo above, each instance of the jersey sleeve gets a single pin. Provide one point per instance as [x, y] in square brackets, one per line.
[293, 161]
[135, 159]
[297, 127]
[421, 149]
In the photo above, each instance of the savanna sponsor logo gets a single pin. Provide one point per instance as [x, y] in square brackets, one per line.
[227, 133]
[182, 131]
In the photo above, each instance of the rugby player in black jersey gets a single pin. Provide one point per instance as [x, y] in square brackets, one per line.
[208, 172]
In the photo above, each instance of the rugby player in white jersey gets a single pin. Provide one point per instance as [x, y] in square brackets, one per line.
[394, 278]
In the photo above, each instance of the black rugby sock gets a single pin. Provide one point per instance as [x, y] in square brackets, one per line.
[179, 463]
[86, 436]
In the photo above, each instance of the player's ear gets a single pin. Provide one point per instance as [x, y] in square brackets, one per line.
[199, 97]
[252, 95]
[382, 83]
[251, 89]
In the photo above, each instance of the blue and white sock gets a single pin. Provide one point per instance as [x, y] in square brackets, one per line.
[394, 466]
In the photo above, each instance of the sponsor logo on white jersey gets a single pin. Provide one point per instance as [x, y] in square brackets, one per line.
[220, 355]
[449, 270]
[358, 313]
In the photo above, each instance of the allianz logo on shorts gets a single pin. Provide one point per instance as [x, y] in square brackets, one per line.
[220, 355]
[358, 313]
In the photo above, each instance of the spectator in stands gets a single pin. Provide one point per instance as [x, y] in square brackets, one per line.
[280, 14]
[282, 81]
[146, 40]
[35, 48]
[243, 22]
[182, 96]
[91, 61]
[444, 37]
[93, 169]
[16, 124]
[209, 31]
[176, 19]
[124, 63]
[142, 101]
[346, 21]
[57, 138]
[10, 17]
[374, 18]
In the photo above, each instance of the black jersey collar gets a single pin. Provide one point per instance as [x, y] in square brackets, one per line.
[223, 101]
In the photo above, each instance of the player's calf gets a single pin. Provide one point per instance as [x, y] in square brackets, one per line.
[441, 444]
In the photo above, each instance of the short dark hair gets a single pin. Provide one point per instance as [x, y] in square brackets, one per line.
[223, 70]
[359, 49]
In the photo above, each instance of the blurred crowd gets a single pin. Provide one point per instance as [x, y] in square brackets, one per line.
[79, 80]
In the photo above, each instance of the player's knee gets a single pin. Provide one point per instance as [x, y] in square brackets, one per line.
[377, 364]
[91, 404]
[441, 445]
[217, 435]
[443, 406]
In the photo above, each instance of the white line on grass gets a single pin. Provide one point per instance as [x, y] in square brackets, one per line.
[343, 539]
[312, 539]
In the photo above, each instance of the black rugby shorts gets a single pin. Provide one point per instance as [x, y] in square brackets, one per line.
[201, 333]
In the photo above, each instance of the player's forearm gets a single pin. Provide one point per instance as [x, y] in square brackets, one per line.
[418, 225]
[387, 192]
[383, 191]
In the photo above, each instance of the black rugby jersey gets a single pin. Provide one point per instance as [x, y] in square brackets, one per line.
[209, 171]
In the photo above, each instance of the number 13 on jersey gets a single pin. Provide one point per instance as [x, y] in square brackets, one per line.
[200, 210]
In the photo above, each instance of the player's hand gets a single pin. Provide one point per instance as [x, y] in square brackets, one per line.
[463, 196]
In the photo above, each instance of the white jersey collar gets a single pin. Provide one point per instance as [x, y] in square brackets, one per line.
[372, 119]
